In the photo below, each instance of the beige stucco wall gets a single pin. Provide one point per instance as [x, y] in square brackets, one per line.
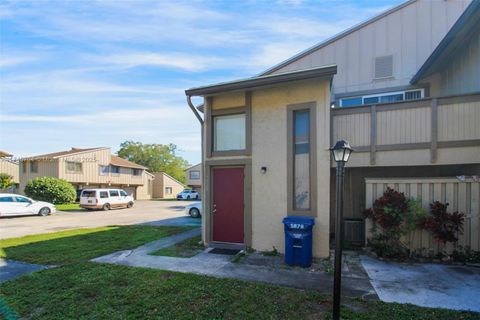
[269, 148]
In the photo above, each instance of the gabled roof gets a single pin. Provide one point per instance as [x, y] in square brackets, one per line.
[169, 176]
[61, 154]
[192, 166]
[4, 154]
[335, 38]
[120, 162]
[467, 26]
[267, 80]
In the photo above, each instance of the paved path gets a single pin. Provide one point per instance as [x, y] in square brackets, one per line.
[220, 266]
[427, 285]
[10, 269]
[142, 212]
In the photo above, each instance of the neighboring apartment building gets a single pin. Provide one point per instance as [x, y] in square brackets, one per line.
[166, 186]
[193, 177]
[403, 88]
[10, 166]
[89, 168]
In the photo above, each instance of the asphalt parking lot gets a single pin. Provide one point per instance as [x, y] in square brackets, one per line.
[143, 212]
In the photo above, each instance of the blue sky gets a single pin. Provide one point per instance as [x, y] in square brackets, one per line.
[97, 73]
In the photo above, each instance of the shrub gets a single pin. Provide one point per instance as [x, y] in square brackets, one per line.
[465, 255]
[397, 215]
[57, 191]
[385, 247]
[6, 181]
[444, 226]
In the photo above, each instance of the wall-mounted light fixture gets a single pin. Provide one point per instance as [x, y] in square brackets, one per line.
[263, 170]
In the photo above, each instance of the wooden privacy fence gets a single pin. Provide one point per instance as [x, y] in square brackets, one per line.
[462, 195]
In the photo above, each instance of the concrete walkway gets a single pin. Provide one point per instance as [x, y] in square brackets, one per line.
[427, 285]
[218, 265]
[10, 269]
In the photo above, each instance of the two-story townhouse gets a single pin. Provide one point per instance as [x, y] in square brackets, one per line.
[10, 166]
[403, 88]
[89, 168]
[193, 177]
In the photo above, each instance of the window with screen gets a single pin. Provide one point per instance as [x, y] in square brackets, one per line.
[229, 132]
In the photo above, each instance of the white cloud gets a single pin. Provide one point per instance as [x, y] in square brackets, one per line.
[11, 61]
[170, 60]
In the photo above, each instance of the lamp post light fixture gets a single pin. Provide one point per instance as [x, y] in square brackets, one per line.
[341, 153]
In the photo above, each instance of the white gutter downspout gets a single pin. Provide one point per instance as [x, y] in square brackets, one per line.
[190, 104]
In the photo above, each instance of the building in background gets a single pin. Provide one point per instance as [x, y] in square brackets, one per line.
[89, 168]
[10, 166]
[193, 177]
[165, 186]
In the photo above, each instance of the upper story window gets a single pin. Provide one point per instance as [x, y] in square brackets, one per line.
[34, 166]
[104, 170]
[229, 132]
[137, 172]
[386, 97]
[194, 175]
[115, 170]
[75, 167]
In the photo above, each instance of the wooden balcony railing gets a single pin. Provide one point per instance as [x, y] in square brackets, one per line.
[431, 123]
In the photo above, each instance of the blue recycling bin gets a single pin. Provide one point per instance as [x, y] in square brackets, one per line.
[298, 240]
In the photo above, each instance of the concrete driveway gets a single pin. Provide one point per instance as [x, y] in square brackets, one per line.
[143, 212]
[427, 285]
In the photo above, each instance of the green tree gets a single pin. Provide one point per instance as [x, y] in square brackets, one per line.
[57, 191]
[156, 157]
[6, 181]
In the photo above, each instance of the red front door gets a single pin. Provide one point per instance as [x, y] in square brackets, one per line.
[227, 204]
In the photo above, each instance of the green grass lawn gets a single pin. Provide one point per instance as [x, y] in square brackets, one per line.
[185, 249]
[81, 244]
[100, 291]
[69, 207]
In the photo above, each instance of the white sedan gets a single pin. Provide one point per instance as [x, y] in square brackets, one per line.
[187, 195]
[15, 205]
[194, 209]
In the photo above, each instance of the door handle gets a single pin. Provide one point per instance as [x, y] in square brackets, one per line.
[214, 208]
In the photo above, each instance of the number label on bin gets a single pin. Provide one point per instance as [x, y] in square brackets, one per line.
[297, 226]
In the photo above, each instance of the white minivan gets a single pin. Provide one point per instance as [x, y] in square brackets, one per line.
[105, 199]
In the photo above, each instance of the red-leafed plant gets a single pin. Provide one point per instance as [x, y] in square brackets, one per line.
[397, 215]
[444, 226]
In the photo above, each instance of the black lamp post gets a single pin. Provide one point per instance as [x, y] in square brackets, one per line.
[341, 153]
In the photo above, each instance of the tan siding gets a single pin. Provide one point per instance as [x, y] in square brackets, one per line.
[46, 168]
[194, 183]
[409, 34]
[403, 126]
[462, 196]
[354, 128]
[460, 121]
[10, 168]
[163, 181]
[145, 191]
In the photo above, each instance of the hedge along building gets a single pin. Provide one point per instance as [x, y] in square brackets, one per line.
[265, 156]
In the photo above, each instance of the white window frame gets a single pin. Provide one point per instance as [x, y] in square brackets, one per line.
[383, 94]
